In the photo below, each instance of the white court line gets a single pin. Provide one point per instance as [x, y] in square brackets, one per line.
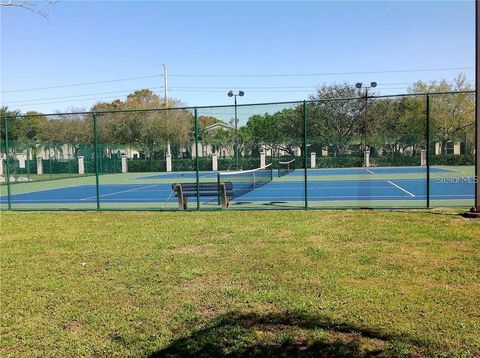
[368, 170]
[399, 187]
[119, 192]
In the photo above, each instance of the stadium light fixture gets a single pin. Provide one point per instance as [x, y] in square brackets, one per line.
[235, 147]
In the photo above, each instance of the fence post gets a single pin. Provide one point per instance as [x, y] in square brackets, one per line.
[475, 210]
[7, 164]
[428, 150]
[477, 111]
[305, 151]
[95, 141]
[197, 159]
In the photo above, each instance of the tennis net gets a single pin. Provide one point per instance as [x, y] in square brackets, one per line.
[285, 168]
[246, 180]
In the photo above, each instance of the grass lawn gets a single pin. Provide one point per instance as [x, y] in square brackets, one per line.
[346, 283]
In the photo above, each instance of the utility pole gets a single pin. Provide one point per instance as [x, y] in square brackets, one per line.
[366, 146]
[165, 98]
[165, 85]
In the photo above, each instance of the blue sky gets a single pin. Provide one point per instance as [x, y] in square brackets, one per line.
[218, 41]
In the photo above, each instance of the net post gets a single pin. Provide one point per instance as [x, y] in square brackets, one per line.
[95, 141]
[196, 157]
[305, 151]
[427, 152]
[7, 164]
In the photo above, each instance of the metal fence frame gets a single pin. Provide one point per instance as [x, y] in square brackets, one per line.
[195, 109]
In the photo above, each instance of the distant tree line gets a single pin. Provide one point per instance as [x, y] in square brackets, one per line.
[334, 120]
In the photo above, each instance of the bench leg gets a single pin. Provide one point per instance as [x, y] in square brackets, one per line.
[223, 193]
[180, 202]
[225, 202]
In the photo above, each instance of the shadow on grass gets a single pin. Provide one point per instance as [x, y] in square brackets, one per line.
[286, 335]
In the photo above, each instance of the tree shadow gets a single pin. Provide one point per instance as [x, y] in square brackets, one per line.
[287, 334]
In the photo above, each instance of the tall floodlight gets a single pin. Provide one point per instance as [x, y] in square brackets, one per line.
[359, 85]
[235, 146]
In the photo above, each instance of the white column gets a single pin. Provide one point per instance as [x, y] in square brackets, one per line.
[21, 161]
[39, 166]
[262, 158]
[214, 162]
[81, 165]
[168, 157]
[456, 148]
[324, 151]
[124, 163]
[366, 158]
[423, 157]
[313, 160]
[1, 166]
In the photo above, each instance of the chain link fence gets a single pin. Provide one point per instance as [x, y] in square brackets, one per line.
[404, 151]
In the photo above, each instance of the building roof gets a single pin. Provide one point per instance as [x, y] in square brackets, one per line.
[217, 126]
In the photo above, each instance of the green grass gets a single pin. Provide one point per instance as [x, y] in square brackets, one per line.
[345, 283]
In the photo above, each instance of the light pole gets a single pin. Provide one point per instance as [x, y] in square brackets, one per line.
[359, 85]
[235, 147]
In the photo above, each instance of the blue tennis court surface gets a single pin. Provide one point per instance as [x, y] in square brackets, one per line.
[366, 188]
[314, 172]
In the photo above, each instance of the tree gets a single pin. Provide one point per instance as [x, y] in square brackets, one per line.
[138, 124]
[452, 115]
[31, 6]
[13, 119]
[32, 124]
[265, 131]
[397, 123]
[335, 120]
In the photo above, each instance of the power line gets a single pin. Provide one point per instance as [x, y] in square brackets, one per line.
[219, 89]
[241, 75]
[80, 95]
[81, 84]
[329, 73]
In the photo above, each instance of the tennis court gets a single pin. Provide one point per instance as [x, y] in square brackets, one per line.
[378, 187]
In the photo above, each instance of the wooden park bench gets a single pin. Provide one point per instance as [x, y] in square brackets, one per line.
[186, 190]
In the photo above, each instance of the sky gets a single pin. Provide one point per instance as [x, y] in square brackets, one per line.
[274, 51]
